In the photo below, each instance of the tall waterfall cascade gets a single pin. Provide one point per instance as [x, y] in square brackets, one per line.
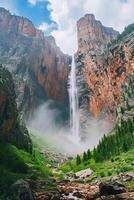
[74, 105]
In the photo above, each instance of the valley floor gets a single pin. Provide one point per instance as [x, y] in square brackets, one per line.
[51, 176]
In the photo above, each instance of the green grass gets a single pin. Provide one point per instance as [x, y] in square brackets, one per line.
[39, 144]
[118, 164]
[16, 164]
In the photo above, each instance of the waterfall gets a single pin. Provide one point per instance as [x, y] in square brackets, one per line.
[74, 107]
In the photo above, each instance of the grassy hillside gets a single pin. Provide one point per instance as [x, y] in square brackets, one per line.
[103, 170]
[16, 164]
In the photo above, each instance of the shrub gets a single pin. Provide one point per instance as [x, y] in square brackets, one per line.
[102, 174]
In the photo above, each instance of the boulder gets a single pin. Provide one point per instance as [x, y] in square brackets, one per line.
[124, 196]
[22, 190]
[110, 188]
[83, 173]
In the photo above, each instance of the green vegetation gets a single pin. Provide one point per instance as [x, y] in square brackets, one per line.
[115, 152]
[112, 145]
[122, 138]
[117, 164]
[78, 160]
[128, 30]
[16, 164]
[11, 125]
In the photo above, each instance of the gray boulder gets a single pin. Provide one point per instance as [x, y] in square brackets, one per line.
[22, 190]
[111, 188]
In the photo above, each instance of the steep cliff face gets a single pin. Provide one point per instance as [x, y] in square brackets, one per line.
[92, 35]
[11, 127]
[16, 24]
[52, 72]
[40, 69]
[105, 68]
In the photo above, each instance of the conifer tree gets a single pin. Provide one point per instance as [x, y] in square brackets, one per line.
[84, 156]
[78, 160]
[89, 155]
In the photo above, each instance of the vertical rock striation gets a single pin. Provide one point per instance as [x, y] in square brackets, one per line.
[105, 65]
[39, 67]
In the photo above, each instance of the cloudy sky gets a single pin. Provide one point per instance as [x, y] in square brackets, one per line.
[58, 17]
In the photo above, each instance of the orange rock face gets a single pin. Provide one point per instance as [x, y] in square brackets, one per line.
[52, 72]
[106, 84]
[92, 35]
[105, 69]
[26, 27]
[18, 24]
[35, 60]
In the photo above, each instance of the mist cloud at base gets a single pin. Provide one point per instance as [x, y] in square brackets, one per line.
[44, 121]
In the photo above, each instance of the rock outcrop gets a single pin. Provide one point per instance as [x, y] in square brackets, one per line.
[92, 35]
[40, 69]
[11, 128]
[103, 66]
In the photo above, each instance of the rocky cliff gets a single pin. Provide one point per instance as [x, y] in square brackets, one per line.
[11, 127]
[92, 35]
[103, 66]
[39, 68]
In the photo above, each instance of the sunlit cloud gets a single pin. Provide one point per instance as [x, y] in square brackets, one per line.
[9, 5]
[47, 28]
[65, 13]
[115, 13]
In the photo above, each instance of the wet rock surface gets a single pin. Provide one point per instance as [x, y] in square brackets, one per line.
[78, 191]
[112, 189]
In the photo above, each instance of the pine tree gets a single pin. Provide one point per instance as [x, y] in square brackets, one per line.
[78, 160]
[89, 155]
[84, 156]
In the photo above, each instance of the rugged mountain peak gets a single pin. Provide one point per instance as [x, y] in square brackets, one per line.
[12, 23]
[92, 35]
[40, 68]
[105, 64]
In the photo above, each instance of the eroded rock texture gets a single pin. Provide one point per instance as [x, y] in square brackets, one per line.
[102, 67]
[40, 69]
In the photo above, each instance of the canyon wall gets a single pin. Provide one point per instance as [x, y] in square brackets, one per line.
[105, 61]
[39, 68]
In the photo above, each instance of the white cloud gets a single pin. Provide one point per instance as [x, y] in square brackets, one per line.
[9, 5]
[115, 13]
[47, 27]
[34, 2]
